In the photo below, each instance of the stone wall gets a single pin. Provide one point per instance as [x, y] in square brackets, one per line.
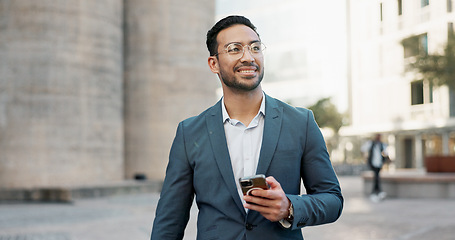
[60, 92]
[92, 91]
[167, 78]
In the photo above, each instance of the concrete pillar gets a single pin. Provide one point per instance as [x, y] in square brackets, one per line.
[419, 151]
[61, 83]
[445, 142]
[167, 78]
[392, 151]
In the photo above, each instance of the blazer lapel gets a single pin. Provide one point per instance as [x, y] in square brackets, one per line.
[214, 120]
[272, 127]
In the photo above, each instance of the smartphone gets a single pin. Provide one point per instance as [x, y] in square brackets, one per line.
[251, 183]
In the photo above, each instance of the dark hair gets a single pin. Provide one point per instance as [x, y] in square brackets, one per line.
[212, 44]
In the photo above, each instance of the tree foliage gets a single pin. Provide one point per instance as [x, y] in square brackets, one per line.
[439, 69]
[327, 115]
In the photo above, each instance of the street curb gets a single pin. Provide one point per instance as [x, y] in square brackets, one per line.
[69, 194]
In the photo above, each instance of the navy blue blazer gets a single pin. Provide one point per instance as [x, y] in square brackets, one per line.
[293, 149]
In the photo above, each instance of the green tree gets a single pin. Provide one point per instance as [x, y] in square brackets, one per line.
[327, 115]
[439, 69]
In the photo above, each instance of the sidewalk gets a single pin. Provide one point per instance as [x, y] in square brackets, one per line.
[130, 217]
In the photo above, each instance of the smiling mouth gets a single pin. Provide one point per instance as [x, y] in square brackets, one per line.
[247, 71]
[247, 68]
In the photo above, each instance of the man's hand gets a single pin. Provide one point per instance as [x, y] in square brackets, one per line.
[272, 203]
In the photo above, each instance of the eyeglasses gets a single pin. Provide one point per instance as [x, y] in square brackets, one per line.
[236, 50]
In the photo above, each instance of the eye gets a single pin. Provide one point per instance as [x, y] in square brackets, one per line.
[234, 48]
[256, 47]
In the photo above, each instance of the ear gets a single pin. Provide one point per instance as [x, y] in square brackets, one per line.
[213, 64]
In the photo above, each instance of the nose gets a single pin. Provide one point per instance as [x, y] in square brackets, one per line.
[247, 56]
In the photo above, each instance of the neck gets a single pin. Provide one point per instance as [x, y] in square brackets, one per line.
[243, 106]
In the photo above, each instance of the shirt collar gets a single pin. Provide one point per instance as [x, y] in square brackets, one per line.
[226, 115]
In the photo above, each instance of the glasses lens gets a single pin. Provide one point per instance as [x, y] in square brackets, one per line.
[237, 49]
[257, 47]
[234, 49]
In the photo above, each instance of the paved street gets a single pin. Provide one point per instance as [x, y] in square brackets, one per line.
[131, 217]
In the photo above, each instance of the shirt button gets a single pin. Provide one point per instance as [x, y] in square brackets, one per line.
[249, 226]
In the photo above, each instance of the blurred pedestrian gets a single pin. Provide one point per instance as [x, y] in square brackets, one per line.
[376, 153]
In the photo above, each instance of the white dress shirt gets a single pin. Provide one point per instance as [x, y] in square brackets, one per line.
[244, 143]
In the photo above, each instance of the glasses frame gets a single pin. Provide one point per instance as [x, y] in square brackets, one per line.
[240, 54]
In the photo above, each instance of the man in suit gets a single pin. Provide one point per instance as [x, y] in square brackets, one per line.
[247, 132]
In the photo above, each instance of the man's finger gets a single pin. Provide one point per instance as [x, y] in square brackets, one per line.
[273, 182]
[259, 193]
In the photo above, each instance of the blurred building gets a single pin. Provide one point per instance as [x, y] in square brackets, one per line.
[305, 55]
[92, 91]
[416, 117]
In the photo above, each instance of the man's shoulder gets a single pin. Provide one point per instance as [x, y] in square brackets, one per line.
[201, 117]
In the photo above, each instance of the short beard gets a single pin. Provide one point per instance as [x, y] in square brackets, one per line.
[239, 86]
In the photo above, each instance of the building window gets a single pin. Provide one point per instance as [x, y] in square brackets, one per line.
[423, 44]
[417, 92]
[449, 5]
[400, 7]
[421, 92]
[415, 45]
[380, 11]
[450, 31]
[424, 3]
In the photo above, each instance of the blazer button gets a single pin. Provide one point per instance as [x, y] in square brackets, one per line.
[300, 224]
[249, 226]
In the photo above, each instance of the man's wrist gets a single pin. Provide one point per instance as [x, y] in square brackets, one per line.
[289, 219]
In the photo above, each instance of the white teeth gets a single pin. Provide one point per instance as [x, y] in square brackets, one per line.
[247, 71]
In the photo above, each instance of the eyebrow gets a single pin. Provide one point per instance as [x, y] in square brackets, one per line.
[251, 42]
